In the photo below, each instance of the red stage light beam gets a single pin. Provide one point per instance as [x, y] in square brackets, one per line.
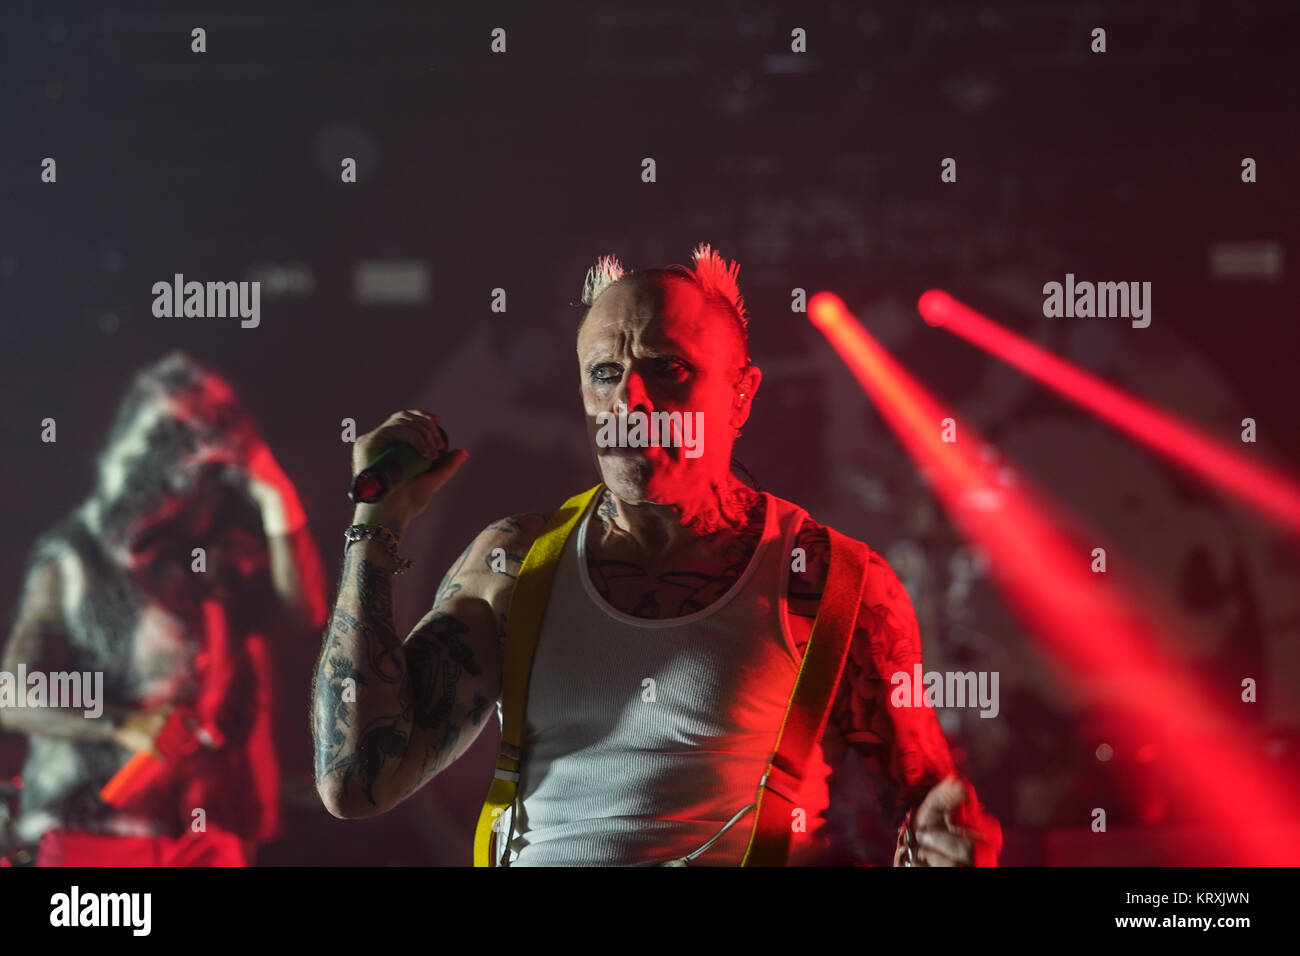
[1265, 488]
[1087, 623]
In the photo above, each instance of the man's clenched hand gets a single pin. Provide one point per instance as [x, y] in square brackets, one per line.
[952, 829]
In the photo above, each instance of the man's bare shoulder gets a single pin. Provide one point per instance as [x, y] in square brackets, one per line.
[809, 562]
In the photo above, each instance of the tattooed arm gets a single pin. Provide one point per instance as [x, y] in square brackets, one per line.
[903, 744]
[389, 714]
[902, 749]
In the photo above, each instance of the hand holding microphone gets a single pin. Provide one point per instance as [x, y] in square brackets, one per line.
[398, 468]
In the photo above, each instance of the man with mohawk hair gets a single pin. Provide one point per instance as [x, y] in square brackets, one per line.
[681, 663]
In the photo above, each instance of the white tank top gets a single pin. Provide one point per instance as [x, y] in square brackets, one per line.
[619, 771]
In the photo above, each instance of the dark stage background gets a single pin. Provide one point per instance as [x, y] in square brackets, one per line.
[819, 171]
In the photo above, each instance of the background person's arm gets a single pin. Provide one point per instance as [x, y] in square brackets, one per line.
[296, 568]
[38, 642]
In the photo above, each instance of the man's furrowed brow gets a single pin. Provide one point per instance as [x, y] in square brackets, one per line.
[660, 344]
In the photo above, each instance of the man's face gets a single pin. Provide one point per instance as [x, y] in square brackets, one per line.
[658, 346]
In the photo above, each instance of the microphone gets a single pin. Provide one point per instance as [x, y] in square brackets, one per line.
[396, 465]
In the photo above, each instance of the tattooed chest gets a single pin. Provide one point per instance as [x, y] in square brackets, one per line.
[630, 587]
[664, 586]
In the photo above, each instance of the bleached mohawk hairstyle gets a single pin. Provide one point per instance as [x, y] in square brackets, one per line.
[718, 277]
[715, 275]
[600, 277]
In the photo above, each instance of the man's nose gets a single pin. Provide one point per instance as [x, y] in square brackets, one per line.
[633, 393]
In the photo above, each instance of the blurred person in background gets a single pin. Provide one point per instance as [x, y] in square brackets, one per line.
[181, 638]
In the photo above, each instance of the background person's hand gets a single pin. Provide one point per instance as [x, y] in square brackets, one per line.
[140, 729]
[255, 470]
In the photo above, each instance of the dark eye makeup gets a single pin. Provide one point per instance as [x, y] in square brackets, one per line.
[664, 366]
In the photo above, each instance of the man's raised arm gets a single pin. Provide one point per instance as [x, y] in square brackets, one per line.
[388, 714]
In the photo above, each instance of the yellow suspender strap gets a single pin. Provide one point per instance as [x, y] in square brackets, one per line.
[810, 702]
[523, 623]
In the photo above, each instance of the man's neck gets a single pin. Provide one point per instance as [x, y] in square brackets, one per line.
[713, 517]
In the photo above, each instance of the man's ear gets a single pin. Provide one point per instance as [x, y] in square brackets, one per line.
[750, 379]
